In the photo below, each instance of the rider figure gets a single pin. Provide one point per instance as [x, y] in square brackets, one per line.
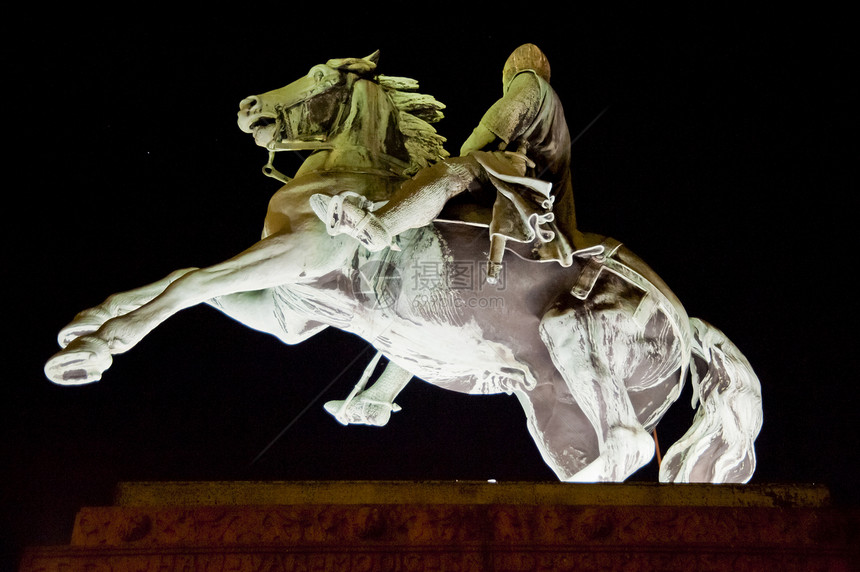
[528, 128]
[530, 172]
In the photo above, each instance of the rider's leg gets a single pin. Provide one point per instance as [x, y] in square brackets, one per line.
[592, 343]
[420, 199]
[416, 203]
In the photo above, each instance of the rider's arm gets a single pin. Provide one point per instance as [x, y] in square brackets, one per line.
[480, 138]
[512, 115]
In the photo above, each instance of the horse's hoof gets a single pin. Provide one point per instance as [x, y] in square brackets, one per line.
[83, 361]
[625, 450]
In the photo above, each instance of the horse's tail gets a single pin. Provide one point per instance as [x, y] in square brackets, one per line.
[718, 448]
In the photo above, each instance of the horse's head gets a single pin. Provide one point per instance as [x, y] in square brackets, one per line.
[304, 113]
[344, 103]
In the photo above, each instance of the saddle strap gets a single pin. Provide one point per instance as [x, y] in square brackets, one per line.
[653, 300]
[597, 257]
[603, 259]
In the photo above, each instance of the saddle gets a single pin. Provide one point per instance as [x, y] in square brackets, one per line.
[521, 217]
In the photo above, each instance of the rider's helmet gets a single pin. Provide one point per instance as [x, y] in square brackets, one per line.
[526, 57]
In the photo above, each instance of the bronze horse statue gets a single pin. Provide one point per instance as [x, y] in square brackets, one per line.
[595, 352]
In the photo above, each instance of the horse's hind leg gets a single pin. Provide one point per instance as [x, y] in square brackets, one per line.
[90, 320]
[589, 342]
[563, 434]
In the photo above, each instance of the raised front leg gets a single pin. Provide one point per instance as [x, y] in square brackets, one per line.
[90, 320]
[279, 259]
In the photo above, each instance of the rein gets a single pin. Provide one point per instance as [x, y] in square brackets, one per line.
[314, 144]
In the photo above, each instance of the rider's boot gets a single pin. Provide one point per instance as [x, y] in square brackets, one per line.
[351, 216]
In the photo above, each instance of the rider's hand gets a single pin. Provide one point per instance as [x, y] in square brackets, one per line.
[480, 138]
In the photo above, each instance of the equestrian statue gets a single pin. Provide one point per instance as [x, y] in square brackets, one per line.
[469, 273]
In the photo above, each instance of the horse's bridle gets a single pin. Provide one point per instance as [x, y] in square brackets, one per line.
[313, 143]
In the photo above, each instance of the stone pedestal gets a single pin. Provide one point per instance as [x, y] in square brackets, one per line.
[463, 526]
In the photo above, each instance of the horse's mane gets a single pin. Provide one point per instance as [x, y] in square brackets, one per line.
[416, 113]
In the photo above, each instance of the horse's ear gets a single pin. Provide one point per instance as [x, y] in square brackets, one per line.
[355, 65]
[374, 57]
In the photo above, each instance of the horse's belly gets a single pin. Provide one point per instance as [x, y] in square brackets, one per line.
[428, 308]
[459, 358]
[461, 339]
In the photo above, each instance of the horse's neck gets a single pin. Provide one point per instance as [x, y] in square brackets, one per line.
[366, 139]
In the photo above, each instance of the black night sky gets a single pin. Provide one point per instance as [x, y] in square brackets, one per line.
[725, 155]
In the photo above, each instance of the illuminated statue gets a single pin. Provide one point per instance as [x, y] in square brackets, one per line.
[592, 343]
